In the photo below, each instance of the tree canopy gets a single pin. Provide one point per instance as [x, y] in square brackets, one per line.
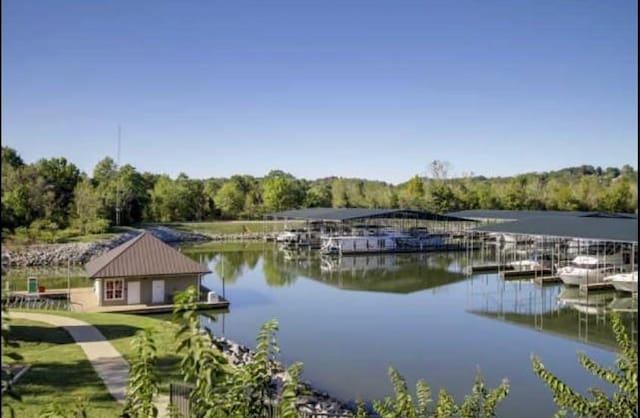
[54, 194]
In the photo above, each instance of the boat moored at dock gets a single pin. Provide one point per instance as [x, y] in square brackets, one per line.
[584, 270]
[624, 282]
[598, 262]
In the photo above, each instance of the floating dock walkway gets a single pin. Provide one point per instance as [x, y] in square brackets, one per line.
[490, 267]
[590, 287]
[543, 280]
[519, 274]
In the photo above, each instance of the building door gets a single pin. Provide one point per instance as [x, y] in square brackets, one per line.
[157, 291]
[133, 293]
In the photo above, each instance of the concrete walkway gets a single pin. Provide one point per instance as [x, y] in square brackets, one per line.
[112, 368]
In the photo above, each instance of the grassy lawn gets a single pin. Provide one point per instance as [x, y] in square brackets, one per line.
[119, 330]
[59, 371]
[14, 242]
[227, 246]
[112, 232]
[232, 227]
[18, 281]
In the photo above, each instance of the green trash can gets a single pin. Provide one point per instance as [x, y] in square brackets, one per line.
[32, 285]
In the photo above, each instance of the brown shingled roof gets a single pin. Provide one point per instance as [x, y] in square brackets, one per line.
[144, 255]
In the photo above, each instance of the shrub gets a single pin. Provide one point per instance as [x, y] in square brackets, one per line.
[623, 403]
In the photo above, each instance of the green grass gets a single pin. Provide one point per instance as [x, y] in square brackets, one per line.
[60, 237]
[92, 237]
[227, 246]
[119, 329]
[59, 372]
[232, 227]
[19, 283]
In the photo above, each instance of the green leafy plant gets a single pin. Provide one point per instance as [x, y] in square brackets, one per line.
[480, 404]
[289, 392]
[250, 384]
[7, 348]
[202, 363]
[624, 401]
[258, 371]
[56, 410]
[143, 381]
[174, 412]
[221, 390]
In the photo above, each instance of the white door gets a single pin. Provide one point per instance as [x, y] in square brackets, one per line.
[133, 293]
[157, 291]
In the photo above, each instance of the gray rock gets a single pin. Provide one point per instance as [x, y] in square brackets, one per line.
[80, 253]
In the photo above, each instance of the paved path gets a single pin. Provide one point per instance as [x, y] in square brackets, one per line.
[112, 368]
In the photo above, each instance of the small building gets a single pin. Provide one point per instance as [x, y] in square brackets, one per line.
[143, 270]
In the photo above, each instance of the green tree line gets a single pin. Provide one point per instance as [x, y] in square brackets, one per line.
[52, 194]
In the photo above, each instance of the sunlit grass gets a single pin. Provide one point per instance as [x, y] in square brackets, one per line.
[59, 372]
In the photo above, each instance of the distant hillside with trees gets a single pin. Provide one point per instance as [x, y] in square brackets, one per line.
[51, 196]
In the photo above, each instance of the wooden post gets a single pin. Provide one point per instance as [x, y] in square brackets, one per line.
[223, 293]
[69, 283]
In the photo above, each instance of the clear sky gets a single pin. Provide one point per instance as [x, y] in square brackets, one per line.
[373, 89]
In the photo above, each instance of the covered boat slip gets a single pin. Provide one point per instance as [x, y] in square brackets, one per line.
[585, 248]
[339, 219]
[357, 231]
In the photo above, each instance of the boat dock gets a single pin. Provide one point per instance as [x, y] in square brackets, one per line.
[543, 280]
[222, 305]
[519, 274]
[490, 267]
[83, 300]
[425, 249]
[588, 287]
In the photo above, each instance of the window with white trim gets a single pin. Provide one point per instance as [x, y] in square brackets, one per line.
[114, 289]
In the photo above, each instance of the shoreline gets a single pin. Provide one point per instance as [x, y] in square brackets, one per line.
[77, 254]
[313, 401]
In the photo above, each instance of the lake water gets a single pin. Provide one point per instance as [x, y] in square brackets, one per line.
[348, 319]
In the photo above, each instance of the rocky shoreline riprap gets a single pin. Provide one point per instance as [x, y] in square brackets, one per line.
[314, 402]
[80, 253]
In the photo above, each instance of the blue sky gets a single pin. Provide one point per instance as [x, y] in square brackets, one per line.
[373, 89]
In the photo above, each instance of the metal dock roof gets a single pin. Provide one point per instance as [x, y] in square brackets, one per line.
[622, 229]
[347, 214]
[524, 214]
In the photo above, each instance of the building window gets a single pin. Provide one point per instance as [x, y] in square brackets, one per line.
[114, 289]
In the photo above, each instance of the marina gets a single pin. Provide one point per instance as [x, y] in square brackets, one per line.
[587, 250]
[347, 231]
[417, 301]
[470, 290]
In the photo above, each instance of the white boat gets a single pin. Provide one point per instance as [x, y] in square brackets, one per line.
[584, 270]
[293, 236]
[510, 239]
[535, 262]
[624, 282]
[353, 244]
[362, 239]
[419, 238]
[598, 261]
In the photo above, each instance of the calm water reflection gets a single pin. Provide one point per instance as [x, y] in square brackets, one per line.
[349, 319]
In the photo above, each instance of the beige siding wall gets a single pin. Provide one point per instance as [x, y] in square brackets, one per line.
[172, 284]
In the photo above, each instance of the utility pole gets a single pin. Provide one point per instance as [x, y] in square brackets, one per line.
[118, 180]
